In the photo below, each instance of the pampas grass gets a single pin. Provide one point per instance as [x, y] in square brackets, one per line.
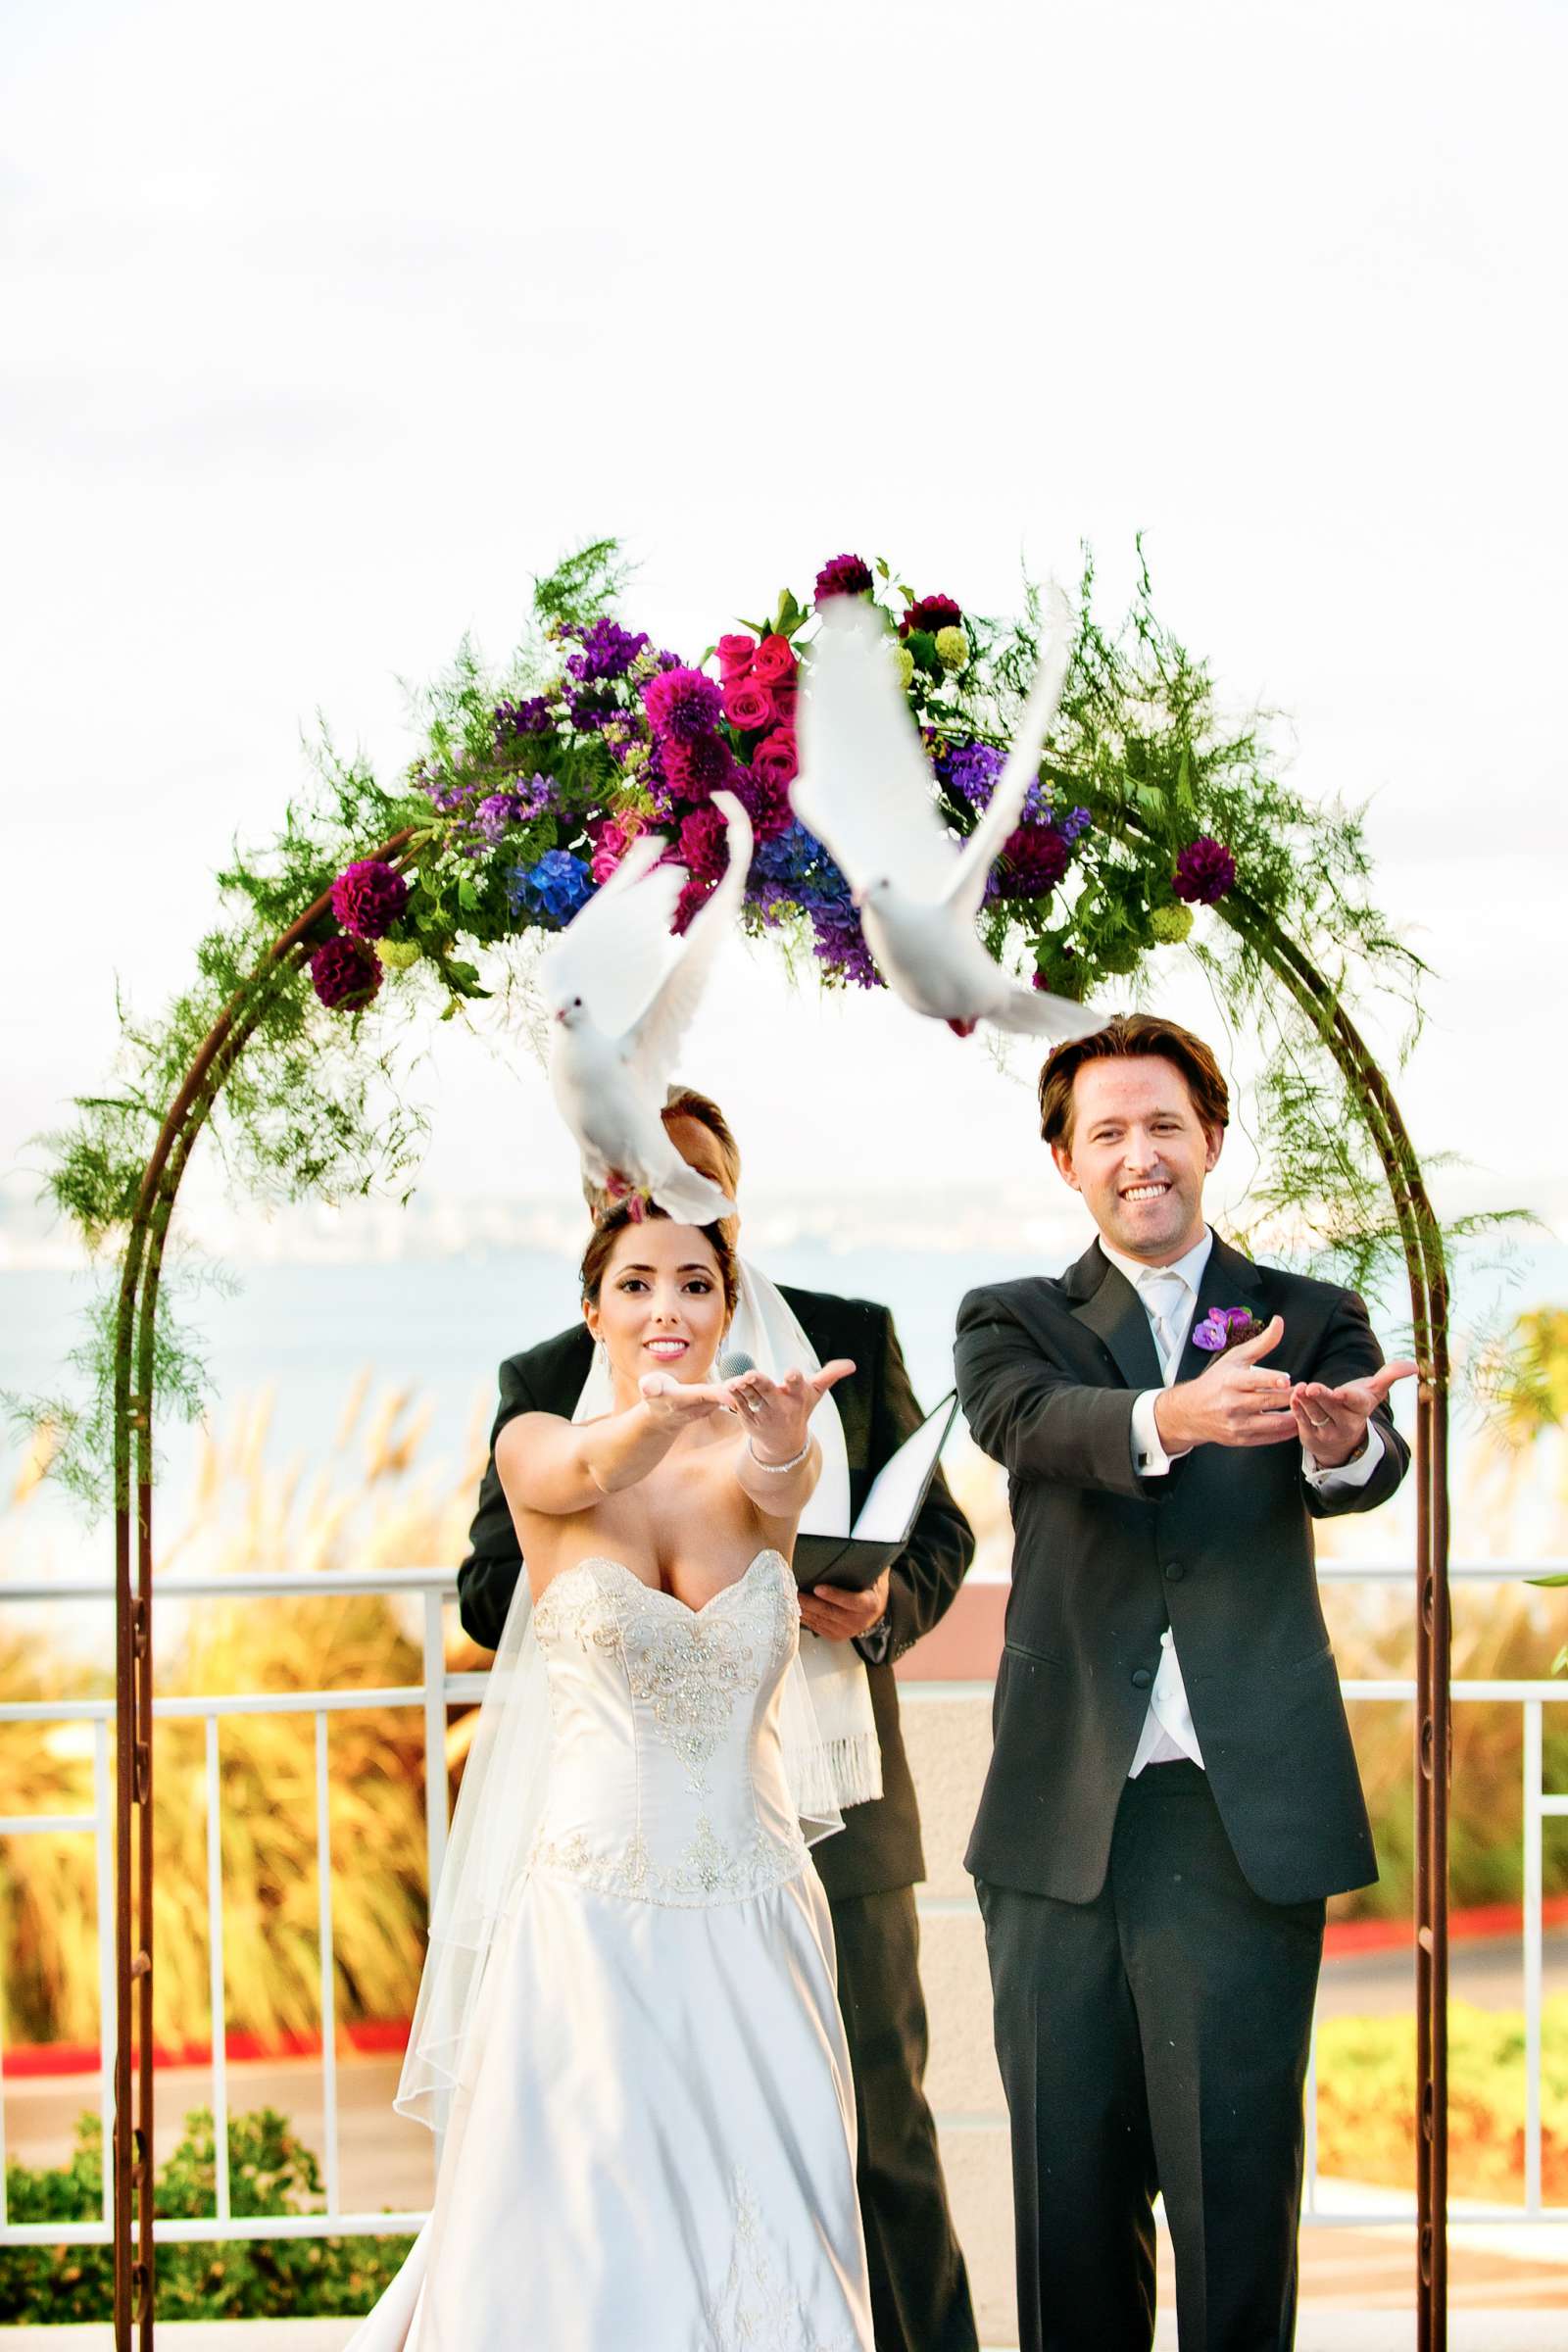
[247, 1518]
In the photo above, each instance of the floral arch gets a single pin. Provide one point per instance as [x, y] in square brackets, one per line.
[1153, 831]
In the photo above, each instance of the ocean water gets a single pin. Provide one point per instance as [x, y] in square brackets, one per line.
[303, 1335]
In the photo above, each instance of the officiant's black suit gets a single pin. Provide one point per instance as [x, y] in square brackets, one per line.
[1154, 1943]
[919, 2289]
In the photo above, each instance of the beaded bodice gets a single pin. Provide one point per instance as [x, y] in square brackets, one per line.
[667, 1774]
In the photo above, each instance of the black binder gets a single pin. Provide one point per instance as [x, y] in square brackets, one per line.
[886, 1519]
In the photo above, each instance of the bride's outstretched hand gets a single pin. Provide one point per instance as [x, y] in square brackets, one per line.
[674, 1404]
[776, 1414]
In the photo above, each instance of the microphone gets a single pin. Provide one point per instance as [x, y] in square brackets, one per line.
[733, 1363]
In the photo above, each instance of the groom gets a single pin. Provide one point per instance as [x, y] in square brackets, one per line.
[1173, 1791]
[919, 2286]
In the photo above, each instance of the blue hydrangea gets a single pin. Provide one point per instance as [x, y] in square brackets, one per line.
[794, 869]
[555, 885]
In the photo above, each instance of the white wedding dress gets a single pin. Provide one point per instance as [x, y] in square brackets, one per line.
[652, 2144]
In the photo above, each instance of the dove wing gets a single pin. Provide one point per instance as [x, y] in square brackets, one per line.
[864, 786]
[1035, 1013]
[966, 885]
[617, 947]
[654, 1039]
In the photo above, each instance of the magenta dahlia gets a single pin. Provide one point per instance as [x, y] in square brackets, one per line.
[695, 766]
[1204, 871]
[931, 612]
[345, 973]
[764, 796]
[843, 575]
[368, 898]
[703, 835]
[1034, 859]
[682, 703]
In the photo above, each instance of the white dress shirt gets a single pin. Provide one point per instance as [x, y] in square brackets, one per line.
[1169, 1296]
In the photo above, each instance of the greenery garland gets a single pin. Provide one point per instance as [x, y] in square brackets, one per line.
[529, 782]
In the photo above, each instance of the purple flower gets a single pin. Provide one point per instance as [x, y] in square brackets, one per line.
[843, 575]
[555, 885]
[591, 706]
[840, 944]
[530, 718]
[1075, 821]
[1204, 871]
[367, 898]
[764, 799]
[499, 810]
[345, 973]
[608, 651]
[1225, 1326]
[683, 702]
[970, 770]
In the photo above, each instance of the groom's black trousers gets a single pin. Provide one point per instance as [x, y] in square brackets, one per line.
[1156, 2040]
[920, 2287]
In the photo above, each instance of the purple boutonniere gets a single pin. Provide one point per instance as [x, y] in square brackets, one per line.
[1225, 1326]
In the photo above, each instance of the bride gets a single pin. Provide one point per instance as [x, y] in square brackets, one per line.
[632, 2031]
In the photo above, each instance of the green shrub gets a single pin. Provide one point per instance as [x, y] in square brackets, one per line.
[1366, 2101]
[270, 2171]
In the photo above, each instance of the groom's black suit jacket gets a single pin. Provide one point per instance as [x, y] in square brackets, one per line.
[1220, 1549]
[878, 1847]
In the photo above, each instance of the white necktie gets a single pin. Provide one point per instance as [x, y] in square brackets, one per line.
[1163, 1297]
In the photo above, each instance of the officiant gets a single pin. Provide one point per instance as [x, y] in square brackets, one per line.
[919, 2286]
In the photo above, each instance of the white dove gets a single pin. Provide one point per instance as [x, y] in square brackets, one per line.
[621, 1000]
[864, 790]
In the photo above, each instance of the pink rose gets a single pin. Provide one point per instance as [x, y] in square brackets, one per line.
[747, 705]
[776, 758]
[614, 838]
[735, 656]
[773, 660]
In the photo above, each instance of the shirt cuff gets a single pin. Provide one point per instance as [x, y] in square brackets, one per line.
[1150, 1458]
[1353, 1473]
[875, 1644]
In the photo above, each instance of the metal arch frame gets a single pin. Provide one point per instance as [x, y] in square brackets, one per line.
[133, 1382]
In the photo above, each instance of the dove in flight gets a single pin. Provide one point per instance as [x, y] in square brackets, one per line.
[864, 790]
[621, 1000]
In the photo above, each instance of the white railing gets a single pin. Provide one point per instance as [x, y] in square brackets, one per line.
[431, 1694]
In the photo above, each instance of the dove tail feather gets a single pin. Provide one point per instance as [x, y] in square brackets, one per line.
[691, 1198]
[1033, 1012]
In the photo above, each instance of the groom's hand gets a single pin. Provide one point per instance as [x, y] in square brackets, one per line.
[841, 1616]
[1235, 1402]
[1332, 1422]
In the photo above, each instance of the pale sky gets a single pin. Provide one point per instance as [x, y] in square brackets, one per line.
[328, 325]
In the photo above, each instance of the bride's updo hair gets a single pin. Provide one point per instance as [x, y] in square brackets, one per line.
[607, 1230]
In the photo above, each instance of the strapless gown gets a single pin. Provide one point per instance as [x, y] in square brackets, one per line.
[651, 2145]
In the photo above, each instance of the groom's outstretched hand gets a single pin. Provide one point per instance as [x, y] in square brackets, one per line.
[1235, 1402]
[1332, 1422]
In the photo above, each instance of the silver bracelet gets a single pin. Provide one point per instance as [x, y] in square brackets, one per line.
[778, 1468]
